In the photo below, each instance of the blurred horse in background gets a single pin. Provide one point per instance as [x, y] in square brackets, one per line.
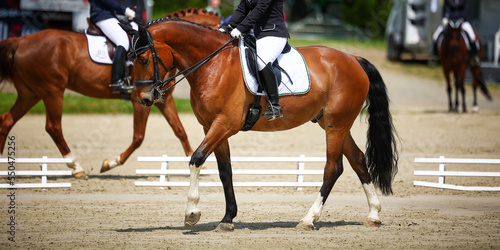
[44, 64]
[455, 58]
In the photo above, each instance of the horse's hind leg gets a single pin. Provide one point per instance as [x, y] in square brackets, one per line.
[448, 89]
[24, 102]
[358, 163]
[338, 126]
[53, 107]
[476, 72]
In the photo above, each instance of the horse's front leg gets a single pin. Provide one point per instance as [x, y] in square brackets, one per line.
[448, 89]
[215, 136]
[193, 213]
[226, 176]
[141, 114]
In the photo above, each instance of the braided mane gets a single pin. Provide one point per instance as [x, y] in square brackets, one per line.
[164, 19]
[191, 11]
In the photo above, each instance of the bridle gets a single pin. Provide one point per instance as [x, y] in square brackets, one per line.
[157, 83]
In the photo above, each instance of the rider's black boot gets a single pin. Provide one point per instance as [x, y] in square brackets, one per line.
[435, 55]
[118, 72]
[474, 55]
[268, 81]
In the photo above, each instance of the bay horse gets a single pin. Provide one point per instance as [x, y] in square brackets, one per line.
[455, 59]
[42, 65]
[340, 84]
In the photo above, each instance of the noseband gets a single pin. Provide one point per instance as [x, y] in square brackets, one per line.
[134, 52]
[160, 84]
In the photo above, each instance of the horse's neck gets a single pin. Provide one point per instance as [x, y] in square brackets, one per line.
[190, 44]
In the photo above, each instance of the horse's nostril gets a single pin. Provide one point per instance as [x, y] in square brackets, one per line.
[147, 102]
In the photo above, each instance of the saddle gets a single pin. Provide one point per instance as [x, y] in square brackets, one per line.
[96, 31]
[251, 55]
[255, 109]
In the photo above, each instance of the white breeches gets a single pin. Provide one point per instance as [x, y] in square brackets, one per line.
[114, 32]
[268, 49]
[465, 27]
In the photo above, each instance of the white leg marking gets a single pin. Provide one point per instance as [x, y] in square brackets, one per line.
[373, 203]
[193, 196]
[314, 212]
[114, 163]
[77, 168]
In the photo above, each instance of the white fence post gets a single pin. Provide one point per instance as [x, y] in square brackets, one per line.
[442, 173]
[442, 169]
[301, 167]
[299, 172]
[43, 173]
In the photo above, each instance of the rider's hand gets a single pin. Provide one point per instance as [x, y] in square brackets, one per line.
[236, 33]
[129, 13]
[222, 30]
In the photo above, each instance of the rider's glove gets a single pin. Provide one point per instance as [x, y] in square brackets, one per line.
[236, 33]
[129, 13]
[222, 30]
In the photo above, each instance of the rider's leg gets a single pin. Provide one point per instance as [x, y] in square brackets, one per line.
[268, 49]
[472, 40]
[270, 85]
[119, 37]
[435, 41]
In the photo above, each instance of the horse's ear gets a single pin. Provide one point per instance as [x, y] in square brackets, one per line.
[131, 32]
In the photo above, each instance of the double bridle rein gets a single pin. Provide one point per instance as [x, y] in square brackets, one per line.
[157, 82]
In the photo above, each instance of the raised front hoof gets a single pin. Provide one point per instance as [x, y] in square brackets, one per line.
[373, 222]
[191, 219]
[105, 166]
[225, 227]
[305, 226]
[80, 175]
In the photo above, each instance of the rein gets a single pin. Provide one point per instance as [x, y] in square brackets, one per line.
[160, 84]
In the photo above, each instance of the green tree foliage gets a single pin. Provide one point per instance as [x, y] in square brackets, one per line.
[369, 15]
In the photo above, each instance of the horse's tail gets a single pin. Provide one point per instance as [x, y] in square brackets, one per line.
[381, 153]
[8, 48]
[482, 86]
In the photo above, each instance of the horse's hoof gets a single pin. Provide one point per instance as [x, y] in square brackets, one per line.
[373, 222]
[191, 219]
[475, 109]
[305, 226]
[225, 227]
[105, 166]
[80, 175]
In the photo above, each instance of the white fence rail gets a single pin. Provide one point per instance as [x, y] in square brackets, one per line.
[442, 173]
[44, 172]
[164, 171]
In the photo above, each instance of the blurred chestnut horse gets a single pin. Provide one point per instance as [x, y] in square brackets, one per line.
[42, 65]
[340, 84]
[454, 57]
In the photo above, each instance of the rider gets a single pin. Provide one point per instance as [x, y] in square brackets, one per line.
[103, 14]
[454, 10]
[268, 23]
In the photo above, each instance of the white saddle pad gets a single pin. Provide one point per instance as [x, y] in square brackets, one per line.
[295, 66]
[98, 49]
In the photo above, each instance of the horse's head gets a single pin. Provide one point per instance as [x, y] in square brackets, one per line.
[145, 54]
[453, 32]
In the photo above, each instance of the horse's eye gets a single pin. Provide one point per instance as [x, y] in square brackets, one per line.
[144, 61]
